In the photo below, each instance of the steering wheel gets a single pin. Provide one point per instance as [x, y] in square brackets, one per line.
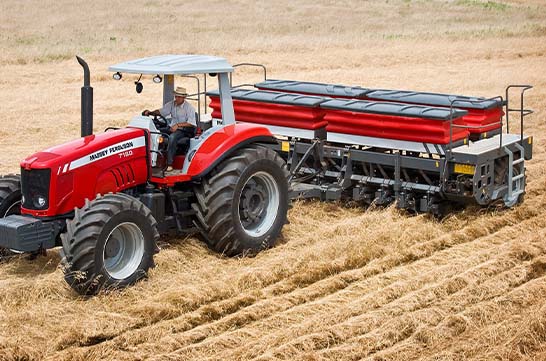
[159, 121]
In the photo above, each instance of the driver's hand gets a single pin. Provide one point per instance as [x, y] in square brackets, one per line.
[174, 128]
[146, 112]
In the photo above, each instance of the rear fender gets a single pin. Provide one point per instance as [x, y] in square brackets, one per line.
[218, 143]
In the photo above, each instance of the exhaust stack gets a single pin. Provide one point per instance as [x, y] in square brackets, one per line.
[87, 100]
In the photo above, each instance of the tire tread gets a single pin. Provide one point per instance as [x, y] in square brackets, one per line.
[215, 195]
[82, 232]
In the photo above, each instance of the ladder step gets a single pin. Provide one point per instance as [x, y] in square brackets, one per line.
[518, 161]
[519, 176]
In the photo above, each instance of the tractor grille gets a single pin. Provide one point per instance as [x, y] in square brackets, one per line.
[35, 188]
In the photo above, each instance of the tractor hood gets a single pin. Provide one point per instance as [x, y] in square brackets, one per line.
[66, 154]
[60, 178]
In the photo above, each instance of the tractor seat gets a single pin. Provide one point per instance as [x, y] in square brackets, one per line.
[184, 143]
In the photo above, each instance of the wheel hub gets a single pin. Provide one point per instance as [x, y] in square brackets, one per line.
[123, 250]
[254, 203]
[112, 248]
[258, 204]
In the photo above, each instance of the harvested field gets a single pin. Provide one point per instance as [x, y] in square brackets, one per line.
[345, 282]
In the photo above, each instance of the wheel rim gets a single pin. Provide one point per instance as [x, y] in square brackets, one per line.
[15, 208]
[258, 204]
[123, 250]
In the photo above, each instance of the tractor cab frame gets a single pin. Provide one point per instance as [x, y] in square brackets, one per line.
[165, 68]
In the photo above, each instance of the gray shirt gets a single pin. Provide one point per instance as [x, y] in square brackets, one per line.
[183, 113]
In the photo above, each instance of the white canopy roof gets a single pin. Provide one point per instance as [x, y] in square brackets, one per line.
[174, 64]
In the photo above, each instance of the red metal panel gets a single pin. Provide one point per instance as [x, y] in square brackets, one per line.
[345, 122]
[485, 119]
[273, 114]
[482, 118]
[214, 147]
[221, 142]
[392, 127]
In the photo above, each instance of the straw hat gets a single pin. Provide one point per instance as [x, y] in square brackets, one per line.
[180, 91]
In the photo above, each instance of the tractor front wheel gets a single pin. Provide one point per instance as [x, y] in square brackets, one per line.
[110, 243]
[242, 204]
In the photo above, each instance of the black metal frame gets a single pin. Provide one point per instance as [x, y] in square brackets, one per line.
[364, 174]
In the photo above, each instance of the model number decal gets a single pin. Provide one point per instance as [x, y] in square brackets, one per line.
[124, 149]
[126, 154]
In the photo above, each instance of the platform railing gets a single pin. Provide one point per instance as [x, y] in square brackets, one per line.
[523, 112]
[451, 125]
[256, 65]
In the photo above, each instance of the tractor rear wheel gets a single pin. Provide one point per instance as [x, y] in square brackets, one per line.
[10, 201]
[110, 243]
[242, 204]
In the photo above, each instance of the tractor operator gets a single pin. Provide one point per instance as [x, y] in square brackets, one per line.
[181, 123]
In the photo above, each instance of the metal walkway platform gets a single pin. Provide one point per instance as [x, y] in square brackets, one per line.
[489, 144]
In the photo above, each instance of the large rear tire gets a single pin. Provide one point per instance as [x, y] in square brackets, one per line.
[242, 204]
[10, 202]
[110, 243]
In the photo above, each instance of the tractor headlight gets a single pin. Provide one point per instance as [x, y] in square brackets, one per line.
[157, 79]
[39, 201]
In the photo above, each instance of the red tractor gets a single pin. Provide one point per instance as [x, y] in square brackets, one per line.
[106, 198]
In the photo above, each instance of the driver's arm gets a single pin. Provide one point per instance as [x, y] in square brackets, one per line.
[146, 112]
[184, 125]
[190, 117]
[181, 125]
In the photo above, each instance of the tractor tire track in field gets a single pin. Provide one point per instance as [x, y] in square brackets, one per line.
[442, 311]
[452, 286]
[488, 315]
[255, 308]
[460, 328]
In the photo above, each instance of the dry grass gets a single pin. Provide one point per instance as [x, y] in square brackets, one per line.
[345, 283]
